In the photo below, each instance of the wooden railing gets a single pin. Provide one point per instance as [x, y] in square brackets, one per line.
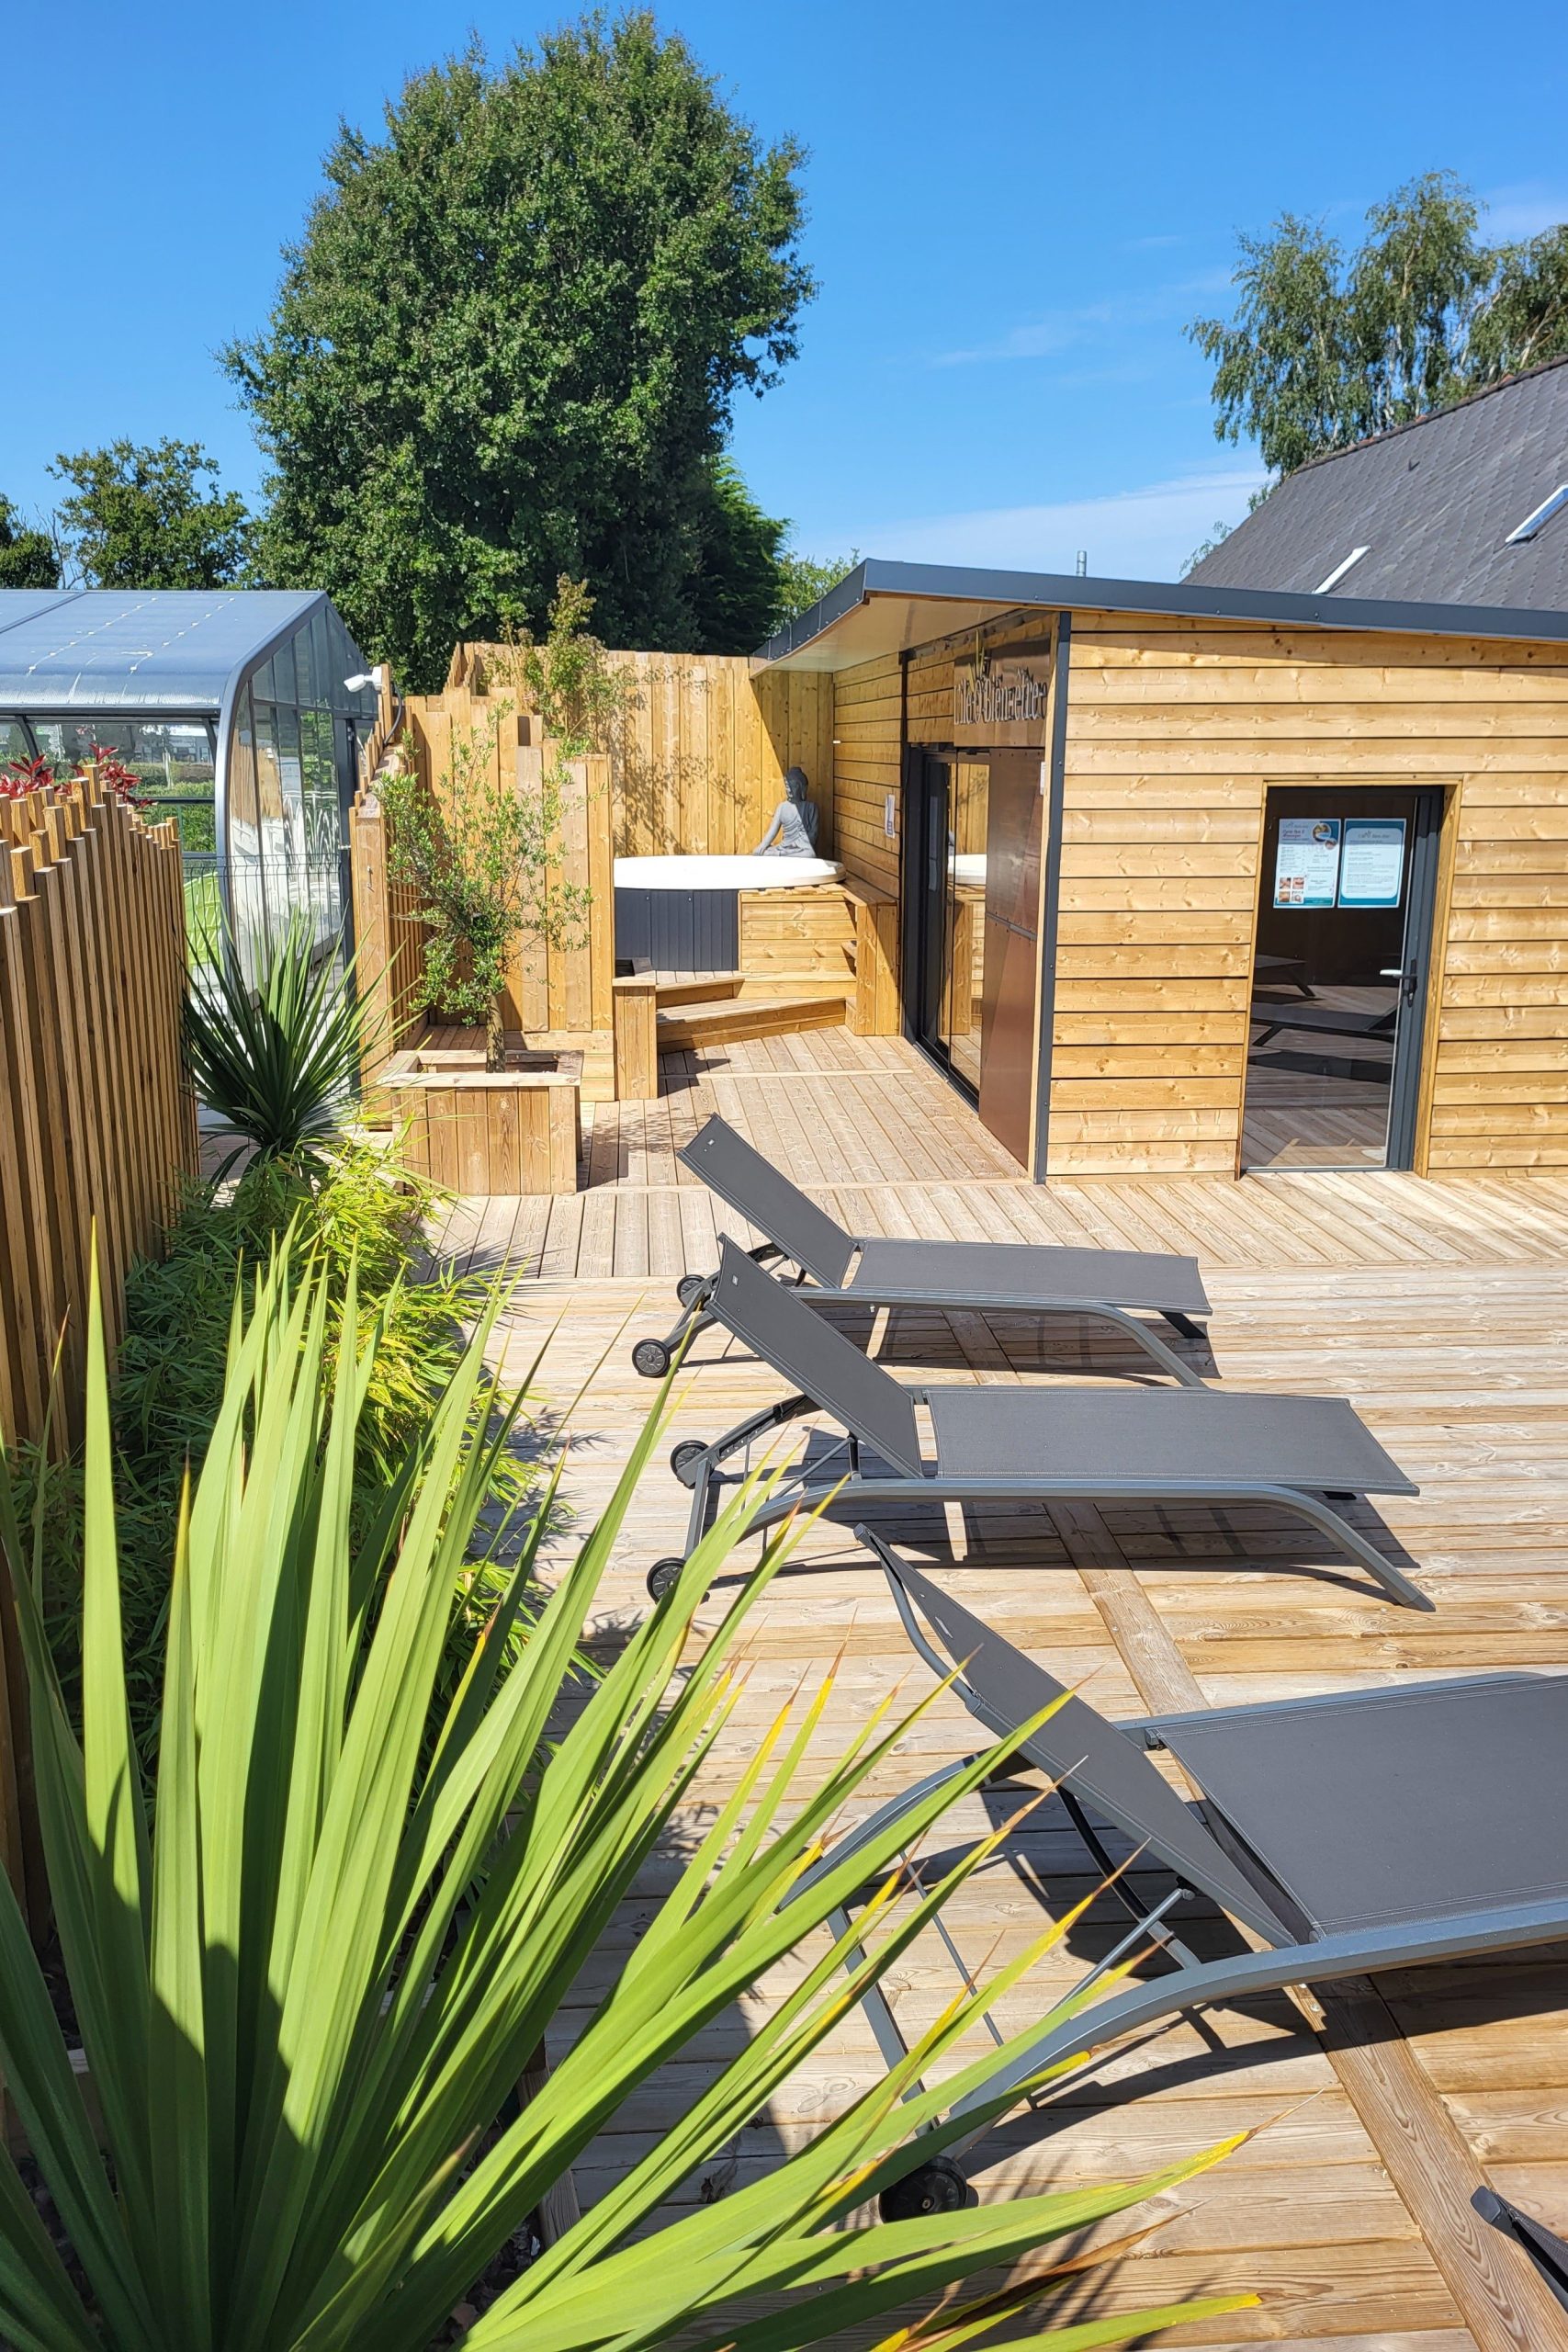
[98, 1123]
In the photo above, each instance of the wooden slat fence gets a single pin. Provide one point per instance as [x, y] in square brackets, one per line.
[96, 1120]
[699, 754]
[97, 1125]
[566, 989]
[388, 937]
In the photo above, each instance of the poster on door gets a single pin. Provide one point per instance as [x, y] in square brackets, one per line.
[1371, 867]
[1306, 862]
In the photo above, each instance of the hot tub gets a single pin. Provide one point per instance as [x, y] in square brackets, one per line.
[683, 914]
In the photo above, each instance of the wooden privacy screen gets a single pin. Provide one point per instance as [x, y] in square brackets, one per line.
[96, 1120]
[388, 939]
[698, 756]
[549, 988]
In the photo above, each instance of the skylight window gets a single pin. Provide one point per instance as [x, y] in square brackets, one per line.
[1337, 574]
[1543, 514]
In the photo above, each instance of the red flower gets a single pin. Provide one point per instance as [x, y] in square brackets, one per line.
[20, 779]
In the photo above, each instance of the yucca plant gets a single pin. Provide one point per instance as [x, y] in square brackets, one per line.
[307, 1994]
[279, 1061]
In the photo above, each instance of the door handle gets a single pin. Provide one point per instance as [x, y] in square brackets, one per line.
[1406, 974]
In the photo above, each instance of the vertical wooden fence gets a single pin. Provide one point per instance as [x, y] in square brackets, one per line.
[389, 938]
[699, 753]
[551, 990]
[96, 1120]
[97, 1126]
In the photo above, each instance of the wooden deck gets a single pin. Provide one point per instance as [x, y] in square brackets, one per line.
[1441, 1310]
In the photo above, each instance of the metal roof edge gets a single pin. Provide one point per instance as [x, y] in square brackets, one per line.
[1069, 592]
[841, 598]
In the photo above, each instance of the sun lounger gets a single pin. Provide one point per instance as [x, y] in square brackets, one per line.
[1044, 1444]
[1111, 1285]
[1372, 1829]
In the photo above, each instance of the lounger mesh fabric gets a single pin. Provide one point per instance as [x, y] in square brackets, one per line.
[1396, 1804]
[818, 1359]
[952, 1272]
[1041, 1443]
[1367, 1809]
[1108, 1770]
[1170, 1434]
[727, 1163]
[1009, 1273]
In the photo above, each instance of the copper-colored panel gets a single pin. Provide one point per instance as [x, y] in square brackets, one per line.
[1012, 949]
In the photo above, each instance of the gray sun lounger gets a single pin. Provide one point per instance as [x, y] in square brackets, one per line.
[1377, 1828]
[1047, 1443]
[1026, 1278]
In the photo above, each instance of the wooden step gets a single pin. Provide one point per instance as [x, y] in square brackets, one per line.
[699, 988]
[728, 1020]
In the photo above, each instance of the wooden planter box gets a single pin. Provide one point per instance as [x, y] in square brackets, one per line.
[487, 1132]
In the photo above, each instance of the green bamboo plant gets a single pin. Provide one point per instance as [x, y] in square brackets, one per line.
[306, 1994]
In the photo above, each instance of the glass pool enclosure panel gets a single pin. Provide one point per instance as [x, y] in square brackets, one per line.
[232, 708]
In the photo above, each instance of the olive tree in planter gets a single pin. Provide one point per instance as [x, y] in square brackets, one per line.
[481, 855]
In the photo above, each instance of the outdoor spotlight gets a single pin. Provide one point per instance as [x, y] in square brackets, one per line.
[366, 678]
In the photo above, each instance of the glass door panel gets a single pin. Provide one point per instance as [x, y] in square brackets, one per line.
[1339, 975]
[964, 917]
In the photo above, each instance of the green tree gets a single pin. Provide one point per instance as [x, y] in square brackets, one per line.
[138, 518]
[1325, 347]
[27, 557]
[508, 344]
[736, 595]
[804, 578]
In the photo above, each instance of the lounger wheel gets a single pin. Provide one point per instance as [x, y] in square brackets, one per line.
[651, 1358]
[685, 1458]
[662, 1576]
[689, 1288]
[936, 2188]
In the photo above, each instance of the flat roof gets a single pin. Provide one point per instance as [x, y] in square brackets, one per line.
[152, 648]
[883, 607]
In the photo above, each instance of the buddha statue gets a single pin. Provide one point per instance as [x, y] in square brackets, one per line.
[793, 832]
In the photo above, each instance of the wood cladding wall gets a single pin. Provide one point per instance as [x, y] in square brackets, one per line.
[867, 734]
[1175, 730]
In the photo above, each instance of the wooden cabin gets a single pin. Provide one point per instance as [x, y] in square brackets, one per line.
[1212, 879]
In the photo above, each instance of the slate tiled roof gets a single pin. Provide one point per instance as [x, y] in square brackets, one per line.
[1433, 503]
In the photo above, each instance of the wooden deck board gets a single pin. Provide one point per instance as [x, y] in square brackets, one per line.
[1441, 1309]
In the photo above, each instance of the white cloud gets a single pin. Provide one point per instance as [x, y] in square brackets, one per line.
[1118, 314]
[1522, 211]
[1145, 533]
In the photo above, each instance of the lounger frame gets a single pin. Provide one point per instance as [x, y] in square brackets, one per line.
[802, 1234]
[911, 1480]
[1191, 1983]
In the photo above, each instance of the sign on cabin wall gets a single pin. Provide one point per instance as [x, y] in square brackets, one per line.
[1002, 702]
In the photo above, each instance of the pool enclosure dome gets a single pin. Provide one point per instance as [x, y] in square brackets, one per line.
[233, 708]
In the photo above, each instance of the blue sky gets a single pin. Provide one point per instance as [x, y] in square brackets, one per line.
[1013, 213]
